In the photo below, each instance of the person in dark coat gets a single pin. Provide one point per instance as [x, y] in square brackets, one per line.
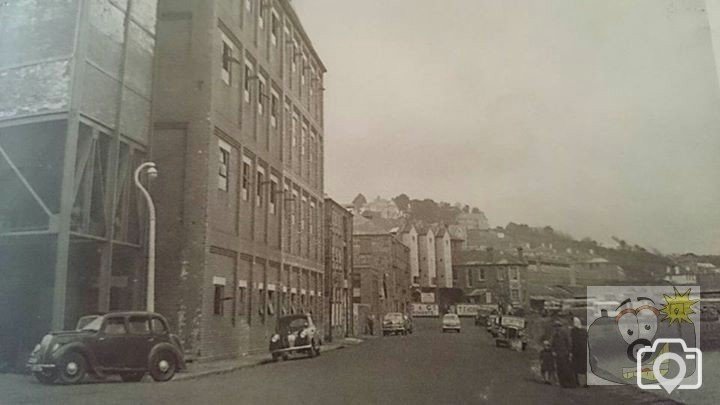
[578, 337]
[561, 345]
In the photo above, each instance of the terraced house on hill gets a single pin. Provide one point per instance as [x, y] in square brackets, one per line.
[238, 139]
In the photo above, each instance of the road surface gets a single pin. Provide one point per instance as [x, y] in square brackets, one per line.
[428, 367]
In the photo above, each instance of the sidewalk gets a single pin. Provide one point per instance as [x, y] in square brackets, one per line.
[203, 369]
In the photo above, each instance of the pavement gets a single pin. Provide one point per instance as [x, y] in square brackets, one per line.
[427, 367]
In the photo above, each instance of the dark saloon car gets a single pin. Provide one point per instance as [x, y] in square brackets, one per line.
[128, 344]
[295, 334]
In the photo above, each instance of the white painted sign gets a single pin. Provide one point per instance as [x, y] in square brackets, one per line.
[424, 309]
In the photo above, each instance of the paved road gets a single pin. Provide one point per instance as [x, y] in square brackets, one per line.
[427, 367]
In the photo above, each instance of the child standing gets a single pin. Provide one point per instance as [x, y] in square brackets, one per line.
[547, 363]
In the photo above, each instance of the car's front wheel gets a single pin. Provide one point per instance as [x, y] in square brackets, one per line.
[46, 377]
[163, 366]
[72, 368]
[132, 376]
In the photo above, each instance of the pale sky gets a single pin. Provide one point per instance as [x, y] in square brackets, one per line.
[598, 118]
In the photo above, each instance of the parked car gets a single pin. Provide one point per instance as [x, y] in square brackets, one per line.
[295, 334]
[451, 322]
[394, 324]
[408, 323]
[128, 344]
[512, 333]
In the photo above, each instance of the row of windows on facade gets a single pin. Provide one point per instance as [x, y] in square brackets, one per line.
[513, 273]
[224, 177]
[290, 303]
[310, 89]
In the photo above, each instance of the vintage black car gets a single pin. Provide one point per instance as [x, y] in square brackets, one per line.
[295, 334]
[128, 344]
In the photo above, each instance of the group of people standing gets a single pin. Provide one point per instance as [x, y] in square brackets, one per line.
[564, 356]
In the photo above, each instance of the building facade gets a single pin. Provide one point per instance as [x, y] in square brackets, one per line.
[487, 277]
[76, 82]
[381, 260]
[238, 128]
[426, 256]
[338, 267]
[443, 257]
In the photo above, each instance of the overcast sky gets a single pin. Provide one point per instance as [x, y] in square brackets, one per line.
[598, 118]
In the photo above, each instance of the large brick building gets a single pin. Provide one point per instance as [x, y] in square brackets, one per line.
[381, 273]
[338, 267]
[238, 108]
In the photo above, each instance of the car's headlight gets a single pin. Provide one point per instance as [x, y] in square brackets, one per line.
[303, 334]
[275, 338]
[55, 347]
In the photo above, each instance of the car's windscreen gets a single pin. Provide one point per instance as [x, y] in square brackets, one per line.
[293, 324]
[450, 317]
[85, 320]
[94, 325]
[394, 317]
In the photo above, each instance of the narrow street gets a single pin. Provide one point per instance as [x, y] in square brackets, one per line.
[428, 367]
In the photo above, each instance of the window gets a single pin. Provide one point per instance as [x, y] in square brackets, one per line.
[246, 85]
[293, 131]
[514, 273]
[258, 188]
[115, 326]
[500, 273]
[224, 164]
[273, 109]
[274, 28]
[158, 326]
[273, 194]
[481, 274]
[515, 294]
[139, 325]
[303, 135]
[488, 297]
[241, 299]
[468, 280]
[261, 20]
[302, 71]
[227, 54]
[245, 186]
[218, 300]
[248, 5]
[261, 96]
[271, 303]
[294, 56]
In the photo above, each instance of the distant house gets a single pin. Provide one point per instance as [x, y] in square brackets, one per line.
[443, 257]
[409, 237]
[492, 277]
[470, 220]
[426, 254]
[596, 271]
[386, 208]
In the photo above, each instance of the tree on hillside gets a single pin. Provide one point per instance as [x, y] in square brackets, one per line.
[476, 210]
[403, 202]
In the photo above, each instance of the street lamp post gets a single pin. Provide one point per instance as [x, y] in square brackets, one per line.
[152, 173]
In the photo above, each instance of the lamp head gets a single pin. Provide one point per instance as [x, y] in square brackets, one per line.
[152, 172]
